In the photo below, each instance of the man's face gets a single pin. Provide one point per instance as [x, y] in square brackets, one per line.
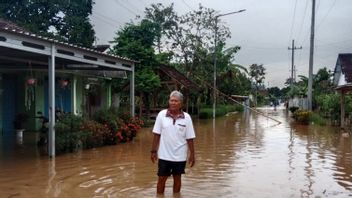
[174, 103]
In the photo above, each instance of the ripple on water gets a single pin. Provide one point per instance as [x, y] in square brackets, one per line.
[240, 158]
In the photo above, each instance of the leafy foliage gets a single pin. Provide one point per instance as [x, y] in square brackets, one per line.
[302, 116]
[65, 20]
[257, 73]
[135, 41]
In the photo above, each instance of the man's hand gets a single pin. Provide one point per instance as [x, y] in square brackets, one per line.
[191, 160]
[153, 157]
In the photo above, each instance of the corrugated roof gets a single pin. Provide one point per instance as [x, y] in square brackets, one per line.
[9, 25]
[13, 28]
[178, 76]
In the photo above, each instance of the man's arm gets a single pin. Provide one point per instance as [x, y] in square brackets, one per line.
[155, 146]
[191, 158]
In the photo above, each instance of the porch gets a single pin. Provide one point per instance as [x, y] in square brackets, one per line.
[38, 74]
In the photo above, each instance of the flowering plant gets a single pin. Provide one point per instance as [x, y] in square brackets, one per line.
[129, 129]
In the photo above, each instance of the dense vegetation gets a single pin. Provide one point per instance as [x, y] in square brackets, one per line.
[186, 42]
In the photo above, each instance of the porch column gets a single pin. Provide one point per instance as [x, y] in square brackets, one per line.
[51, 138]
[342, 104]
[132, 91]
[74, 95]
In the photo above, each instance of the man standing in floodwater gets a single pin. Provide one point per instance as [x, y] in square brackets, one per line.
[173, 138]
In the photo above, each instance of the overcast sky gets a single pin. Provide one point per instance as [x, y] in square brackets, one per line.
[264, 31]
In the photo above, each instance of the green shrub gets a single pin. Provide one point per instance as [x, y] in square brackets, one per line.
[293, 109]
[108, 127]
[317, 119]
[68, 134]
[302, 116]
[97, 134]
[207, 112]
[329, 105]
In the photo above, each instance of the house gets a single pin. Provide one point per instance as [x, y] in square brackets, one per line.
[39, 74]
[343, 79]
[172, 79]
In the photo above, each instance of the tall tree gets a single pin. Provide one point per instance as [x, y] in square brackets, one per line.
[65, 20]
[165, 19]
[136, 41]
[257, 73]
[190, 39]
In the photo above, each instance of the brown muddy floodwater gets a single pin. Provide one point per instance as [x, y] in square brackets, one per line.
[242, 155]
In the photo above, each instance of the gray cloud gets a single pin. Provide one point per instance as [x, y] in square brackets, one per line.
[264, 31]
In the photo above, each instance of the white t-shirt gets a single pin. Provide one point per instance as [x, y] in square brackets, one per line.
[173, 136]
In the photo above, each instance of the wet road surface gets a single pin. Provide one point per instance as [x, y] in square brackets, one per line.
[240, 155]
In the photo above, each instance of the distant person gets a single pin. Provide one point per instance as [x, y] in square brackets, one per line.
[275, 104]
[173, 137]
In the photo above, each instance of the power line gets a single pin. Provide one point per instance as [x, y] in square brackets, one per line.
[99, 18]
[128, 9]
[145, 5]
[184, 2]
[293, 19]
[303, 19]
[133, 6]
[333, 4]
[108, 18]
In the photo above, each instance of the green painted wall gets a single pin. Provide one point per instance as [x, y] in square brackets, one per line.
[38, 104]
[1, 96]
[24, 102]
[79, 95]
[39, 99]
[106, 95]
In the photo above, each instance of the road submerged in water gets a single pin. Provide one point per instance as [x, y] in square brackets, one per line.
[239, 155]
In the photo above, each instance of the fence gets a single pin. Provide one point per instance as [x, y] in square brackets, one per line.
[302, 103]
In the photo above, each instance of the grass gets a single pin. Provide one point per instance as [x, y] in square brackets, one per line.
[221, 110]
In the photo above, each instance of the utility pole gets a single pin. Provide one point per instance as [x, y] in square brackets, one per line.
[215, 53]
[293, 48]
[311, 53]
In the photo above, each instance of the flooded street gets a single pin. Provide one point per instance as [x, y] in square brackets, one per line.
[241, 155]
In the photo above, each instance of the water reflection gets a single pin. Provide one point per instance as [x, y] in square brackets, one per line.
[242, 155]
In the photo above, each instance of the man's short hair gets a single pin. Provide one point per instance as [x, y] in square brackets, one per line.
[177, 94]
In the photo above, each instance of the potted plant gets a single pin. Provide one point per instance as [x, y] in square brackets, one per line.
[18, 123]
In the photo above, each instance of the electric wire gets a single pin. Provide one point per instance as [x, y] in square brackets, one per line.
[108, 18]
[103, 20]
[326, 15]
[128, 9]
[133, 6]
[184, 2]
[303, 20]
[293, 20]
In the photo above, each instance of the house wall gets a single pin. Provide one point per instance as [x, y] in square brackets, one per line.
[39, 100]
[26, 100]
[1, 99]
[21, 102]
[79, 96]
[106, 96]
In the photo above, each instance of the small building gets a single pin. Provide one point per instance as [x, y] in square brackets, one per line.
[39, 74]
[171, 79]
[343, 80]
